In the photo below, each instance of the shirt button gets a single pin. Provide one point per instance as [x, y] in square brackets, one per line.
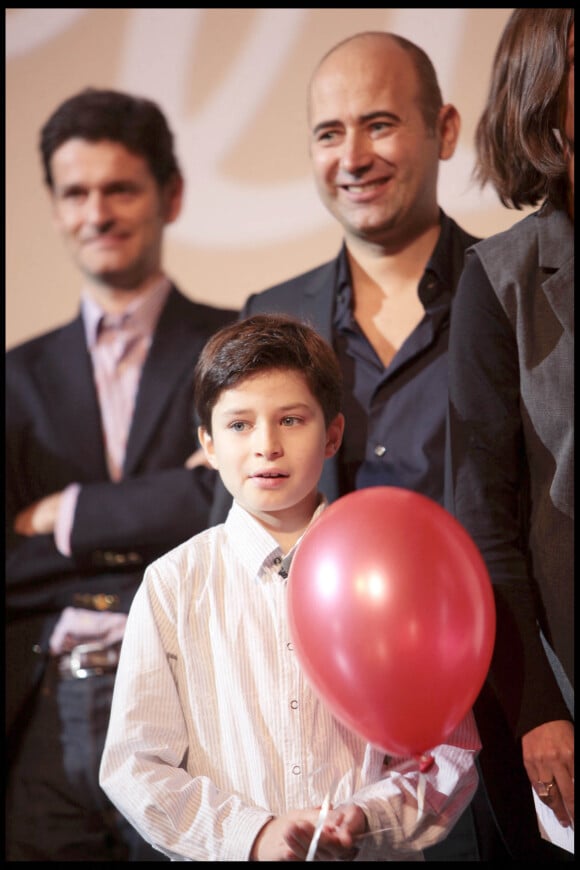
[294, 705]
[296, 769]
[290, 646]
[277, 561]
[380, 450]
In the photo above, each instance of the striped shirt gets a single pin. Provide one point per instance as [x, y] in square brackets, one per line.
[214, 730]
[118, 345]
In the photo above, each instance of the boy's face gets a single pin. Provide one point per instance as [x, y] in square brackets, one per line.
[269, 442]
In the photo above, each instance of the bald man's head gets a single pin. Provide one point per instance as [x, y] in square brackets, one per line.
[376, 49]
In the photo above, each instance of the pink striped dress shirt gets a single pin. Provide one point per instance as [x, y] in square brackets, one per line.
[118, 345]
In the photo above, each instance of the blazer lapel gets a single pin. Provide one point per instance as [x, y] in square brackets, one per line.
[65, 379]
[318, 300]
[556, 256]
[174, 348]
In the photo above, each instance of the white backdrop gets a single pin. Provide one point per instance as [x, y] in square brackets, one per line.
[233, 85]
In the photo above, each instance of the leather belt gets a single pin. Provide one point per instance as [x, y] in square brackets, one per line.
[88, 660]
[102, 601]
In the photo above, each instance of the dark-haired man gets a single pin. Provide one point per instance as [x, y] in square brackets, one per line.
[99, 430]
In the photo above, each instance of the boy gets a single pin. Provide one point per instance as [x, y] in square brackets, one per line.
[217, 749]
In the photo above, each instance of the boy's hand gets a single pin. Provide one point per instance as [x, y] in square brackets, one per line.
[288, 837]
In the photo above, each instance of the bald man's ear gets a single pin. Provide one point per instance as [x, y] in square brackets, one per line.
[449, 124]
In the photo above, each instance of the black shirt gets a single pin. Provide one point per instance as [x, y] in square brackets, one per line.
[395, 416]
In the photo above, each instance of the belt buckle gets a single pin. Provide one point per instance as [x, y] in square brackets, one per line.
[100, 601]
[81, 655]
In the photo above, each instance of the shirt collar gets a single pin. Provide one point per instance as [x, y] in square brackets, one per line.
[140, 315]
[438, 263]
[256, 547]
[435, 277]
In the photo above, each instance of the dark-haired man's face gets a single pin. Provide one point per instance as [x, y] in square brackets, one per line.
[111, 212]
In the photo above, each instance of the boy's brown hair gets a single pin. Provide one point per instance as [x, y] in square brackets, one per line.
[260, 343]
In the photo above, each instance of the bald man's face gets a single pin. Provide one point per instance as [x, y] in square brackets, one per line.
[375, 162]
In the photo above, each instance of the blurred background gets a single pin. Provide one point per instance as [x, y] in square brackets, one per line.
[232, 83]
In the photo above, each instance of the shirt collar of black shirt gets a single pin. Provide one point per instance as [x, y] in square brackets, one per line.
[434, 289]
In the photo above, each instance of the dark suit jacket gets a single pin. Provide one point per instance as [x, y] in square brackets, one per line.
[54, 438]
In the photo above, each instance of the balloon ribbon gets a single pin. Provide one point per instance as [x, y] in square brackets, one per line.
[318, 829]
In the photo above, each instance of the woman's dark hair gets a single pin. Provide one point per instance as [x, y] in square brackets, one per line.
[517, 150]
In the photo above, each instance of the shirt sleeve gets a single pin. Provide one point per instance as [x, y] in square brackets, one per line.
[65, 518]
[143, 766]
[409, 810]
[487, 490]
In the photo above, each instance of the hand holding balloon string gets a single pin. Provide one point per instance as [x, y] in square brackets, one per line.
[425, 762]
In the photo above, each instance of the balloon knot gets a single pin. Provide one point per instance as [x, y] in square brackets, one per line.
[425, 762]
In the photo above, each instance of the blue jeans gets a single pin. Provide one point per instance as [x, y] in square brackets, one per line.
[55, 808]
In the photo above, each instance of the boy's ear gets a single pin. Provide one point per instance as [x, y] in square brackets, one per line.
[334, 433]
[206, 442]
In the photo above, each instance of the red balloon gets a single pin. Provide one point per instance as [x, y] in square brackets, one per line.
[392, 616]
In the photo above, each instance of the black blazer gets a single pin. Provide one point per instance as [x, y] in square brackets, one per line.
[54, 438]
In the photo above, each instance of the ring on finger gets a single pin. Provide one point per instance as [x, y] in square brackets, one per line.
[544, 789]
